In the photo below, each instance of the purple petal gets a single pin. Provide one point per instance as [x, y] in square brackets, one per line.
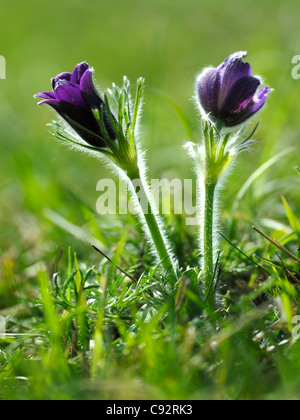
[88, 90]
[86, 82]
[82, 121]
[45, 95]
[62, 76]
[52, 102]
[78, 72]
[230, 71]
[208, 85]
[260, 98]
[240, 94]
[70, 93]
[254, 105]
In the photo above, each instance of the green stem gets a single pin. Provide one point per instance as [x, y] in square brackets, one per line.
[157, 236]
[159, 242]
[208, 245]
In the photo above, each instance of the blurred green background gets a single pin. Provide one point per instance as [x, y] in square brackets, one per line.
[166, 41]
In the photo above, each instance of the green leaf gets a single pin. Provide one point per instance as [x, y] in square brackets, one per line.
[250, 181]
[293, 220]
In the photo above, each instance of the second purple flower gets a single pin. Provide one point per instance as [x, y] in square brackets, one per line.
[229, 94]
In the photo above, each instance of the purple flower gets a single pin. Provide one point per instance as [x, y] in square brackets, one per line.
[74, 98]
[229, 93]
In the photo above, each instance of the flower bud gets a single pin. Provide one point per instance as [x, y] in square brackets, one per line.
[229, 94]
[75, 99]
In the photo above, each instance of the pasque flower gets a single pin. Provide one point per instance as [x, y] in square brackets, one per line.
[109, 129]
[75, 99]
[229, 94]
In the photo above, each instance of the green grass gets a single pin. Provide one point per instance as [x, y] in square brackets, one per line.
[92, 333]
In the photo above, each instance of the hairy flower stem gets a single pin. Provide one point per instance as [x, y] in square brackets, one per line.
[211, 161]
[159, 242]
[154, 227]
[208, 245]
